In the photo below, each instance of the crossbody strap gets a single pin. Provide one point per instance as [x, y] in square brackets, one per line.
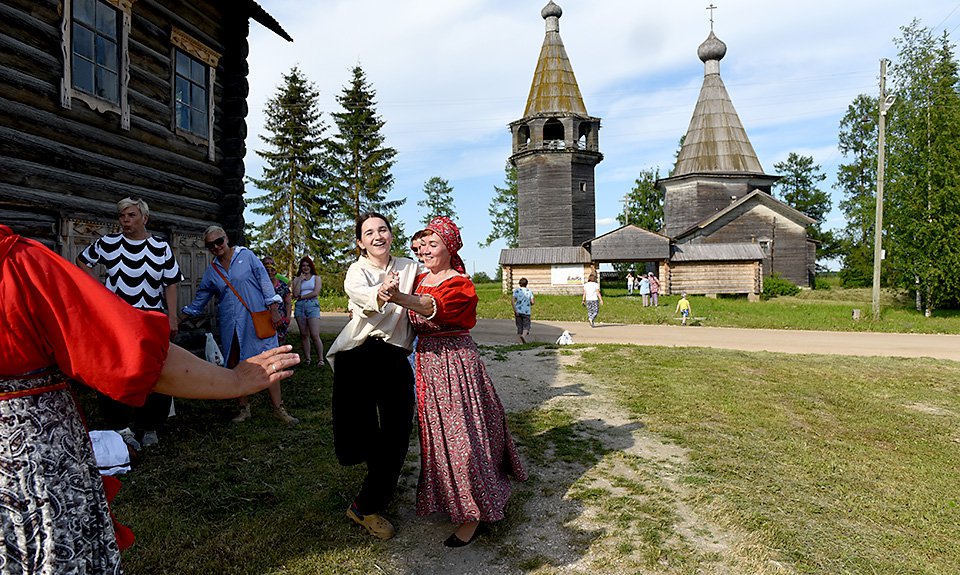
[230, 285]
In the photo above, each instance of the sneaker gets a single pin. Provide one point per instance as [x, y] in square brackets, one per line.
[282, 415]
[150, 438]
[375, 524]
[128, 438]
[243, 415]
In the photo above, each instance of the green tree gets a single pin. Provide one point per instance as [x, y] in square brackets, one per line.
[292, 179]
[359, 162]
[503, 211]
[438, 200]
[922, 188]
[857, 179]
[643, 205]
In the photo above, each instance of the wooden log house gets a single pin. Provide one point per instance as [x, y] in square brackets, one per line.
[105, 99]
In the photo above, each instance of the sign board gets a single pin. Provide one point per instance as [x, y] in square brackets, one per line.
[566, 275]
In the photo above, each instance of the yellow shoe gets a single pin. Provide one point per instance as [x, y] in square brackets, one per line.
[375, 524]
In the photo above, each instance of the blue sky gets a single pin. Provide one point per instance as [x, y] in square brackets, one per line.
[451, 74]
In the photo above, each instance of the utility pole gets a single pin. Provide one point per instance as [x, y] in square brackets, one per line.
[885, 102]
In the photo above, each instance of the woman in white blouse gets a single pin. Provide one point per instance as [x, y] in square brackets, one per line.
[592, 298]
[372, 380]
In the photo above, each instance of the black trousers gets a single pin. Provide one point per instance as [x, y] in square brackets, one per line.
[373, 417]
[150, 417]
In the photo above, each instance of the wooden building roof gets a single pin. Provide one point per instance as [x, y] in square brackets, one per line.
[755, 196]
[260, 15]
[544, 256]
[715, 140]
[716, 252]
[554, 90]
[630, 243]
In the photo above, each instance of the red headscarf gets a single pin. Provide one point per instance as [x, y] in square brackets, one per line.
[450, 235]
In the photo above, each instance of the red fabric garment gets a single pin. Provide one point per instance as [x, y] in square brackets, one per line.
[55, 313]
[125, 537]
[456, 300]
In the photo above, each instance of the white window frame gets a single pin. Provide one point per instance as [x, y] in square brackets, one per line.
[186, 43]
[68, 93]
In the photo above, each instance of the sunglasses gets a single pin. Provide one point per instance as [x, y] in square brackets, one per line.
[215, 243]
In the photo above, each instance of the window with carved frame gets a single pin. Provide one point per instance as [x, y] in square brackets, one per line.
[193, 75]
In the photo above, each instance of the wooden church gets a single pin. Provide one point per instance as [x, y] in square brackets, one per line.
[723, 230]
[105, 99]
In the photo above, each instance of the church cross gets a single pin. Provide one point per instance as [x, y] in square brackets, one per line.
[711, 8]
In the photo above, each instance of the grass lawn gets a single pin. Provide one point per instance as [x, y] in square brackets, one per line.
[830, 310]
[830, 464]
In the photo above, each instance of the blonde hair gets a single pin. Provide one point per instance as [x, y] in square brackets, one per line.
[130, 202]
[214, 229]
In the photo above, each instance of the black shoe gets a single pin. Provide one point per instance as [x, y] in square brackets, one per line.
[453, 541]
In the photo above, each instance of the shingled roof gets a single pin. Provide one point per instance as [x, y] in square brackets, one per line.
[554, 89]
[716, 141]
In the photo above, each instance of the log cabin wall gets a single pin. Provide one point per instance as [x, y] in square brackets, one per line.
[539, 279]
[64, 164]
[703, 278]
[784, 242]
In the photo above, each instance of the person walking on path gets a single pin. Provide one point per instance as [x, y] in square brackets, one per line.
[645, 290]
[467, 453]
[592, 298]
[654, 289]
[239, 282]
[522, 309]
[141, 270]
[683, 308]
[372, 380]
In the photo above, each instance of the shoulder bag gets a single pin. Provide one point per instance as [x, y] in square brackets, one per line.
[262, 320]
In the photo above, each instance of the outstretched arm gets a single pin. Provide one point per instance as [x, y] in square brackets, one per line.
[186, 375]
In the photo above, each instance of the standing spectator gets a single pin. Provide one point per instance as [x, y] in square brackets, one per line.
[522, 308]
[592, 298]
[58, 323]
[467, 453]
[654, 289]
[645, 290]
[141, 270]
[415, 245]
[683, 308]
[372, 381]
[283, 290]
[239, 282]
[306, 290]
[630, 280]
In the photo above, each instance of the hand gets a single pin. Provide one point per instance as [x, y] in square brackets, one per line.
[174, 326]
[271, 366]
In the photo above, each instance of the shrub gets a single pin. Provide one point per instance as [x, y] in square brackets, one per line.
[776, 285]
[820, 283]
[481, 278]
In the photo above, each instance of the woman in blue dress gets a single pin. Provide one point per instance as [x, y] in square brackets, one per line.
[238, 337]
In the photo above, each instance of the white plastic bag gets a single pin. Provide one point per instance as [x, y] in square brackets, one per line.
[565, 338]
[213, 351]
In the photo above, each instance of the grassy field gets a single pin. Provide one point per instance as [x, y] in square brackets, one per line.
[830, 310]
[829, 465]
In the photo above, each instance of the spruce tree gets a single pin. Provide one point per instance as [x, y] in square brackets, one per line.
[359, 162]
[438, 200]
[643, 205]
[292, 179]
[503, 211]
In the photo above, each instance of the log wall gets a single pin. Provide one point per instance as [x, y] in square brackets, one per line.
[705, 278]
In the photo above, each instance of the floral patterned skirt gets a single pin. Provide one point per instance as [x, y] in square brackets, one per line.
[53, 509]
[467, 455]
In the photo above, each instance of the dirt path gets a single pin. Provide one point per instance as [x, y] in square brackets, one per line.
[501, 331]
[558, 522]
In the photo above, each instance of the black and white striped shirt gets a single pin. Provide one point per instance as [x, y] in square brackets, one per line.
[137, 270]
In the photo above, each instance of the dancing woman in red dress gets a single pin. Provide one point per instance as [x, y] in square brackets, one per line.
[467, 453]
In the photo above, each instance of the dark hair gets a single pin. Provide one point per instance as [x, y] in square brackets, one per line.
[369, 215]
[417, 235]
[523, 282]
[309, 262]
[592, 278]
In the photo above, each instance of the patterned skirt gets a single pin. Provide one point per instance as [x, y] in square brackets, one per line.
[593, 309]
[52, 505]
[467, 455]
